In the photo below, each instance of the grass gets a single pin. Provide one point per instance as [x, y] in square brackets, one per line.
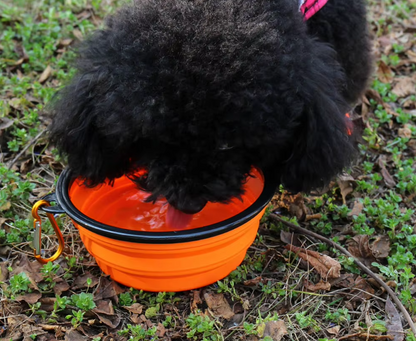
[37, 39]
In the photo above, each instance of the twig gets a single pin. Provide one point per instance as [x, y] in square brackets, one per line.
[32, 141]
[366, 337]
[359, 264]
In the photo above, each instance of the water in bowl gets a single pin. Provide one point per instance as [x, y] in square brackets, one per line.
[122, 205]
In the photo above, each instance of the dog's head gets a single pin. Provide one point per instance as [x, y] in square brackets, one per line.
[197, 92]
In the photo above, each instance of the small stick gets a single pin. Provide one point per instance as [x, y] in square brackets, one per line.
[302, 230]
[367, 336]
[32, 141]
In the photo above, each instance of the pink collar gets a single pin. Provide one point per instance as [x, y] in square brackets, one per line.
[310, 7]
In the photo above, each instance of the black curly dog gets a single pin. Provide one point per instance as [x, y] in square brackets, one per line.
[198, 91]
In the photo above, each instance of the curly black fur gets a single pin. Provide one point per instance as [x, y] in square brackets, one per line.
[198, 91]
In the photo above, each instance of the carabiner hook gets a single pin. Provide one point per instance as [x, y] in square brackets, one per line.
[37, 224]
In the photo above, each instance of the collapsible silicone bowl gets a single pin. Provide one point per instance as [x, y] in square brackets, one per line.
[161, 261]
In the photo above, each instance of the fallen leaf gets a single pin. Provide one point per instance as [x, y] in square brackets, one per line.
[404, 87]
[405, 132]
[47, 303]
[45, 75]
[4, 271]
[381, 247]
[373, 94]
[219, 305]
[29, 330]
[196, 299]
[73, 335]
[384, 73]
[31, 298]
[254, 281]
[31, 269]
[394, 324]
[111, 321]
[26, 166]
[246, 305]
[77, 34]
[161, 330]
[356, 209]
[275, 329]
[326, 266]
[81, 282]
[104, 307]
[60, 287]
[360, 288]
[334, 330]
[345, 186]
[359, 247]
[321, 285]
[108, 289]
[65, 42]
[388, 179]
[135, 308]
[5, 123]
[289, 238]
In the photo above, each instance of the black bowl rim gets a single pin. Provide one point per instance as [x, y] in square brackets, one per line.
[271, 182]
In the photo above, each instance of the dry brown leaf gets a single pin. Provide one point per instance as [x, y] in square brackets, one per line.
[108, 289]
[111, 321]
[29, 330]
[345, 186]
[321, 285]
[45, 75]
[32, 270]
[404, 87]
[326, 266]
[356, 209]
[219, 305]
[31, 298]
[394, 324]
[275, 329]
[4, 271]
[289, 238]
[5, 123]
[77, 34]
[405, 132]
[298, 207]
[104, 307]
[388, 179]
[73, 335]
[105, 313]
[334, 330]
[65, 42]
[196, 299]
[360, 288]
[384, 73]
[47, 303]
[255, 281]
[26, 166]
[60, 287]
[135, 308]
[161, 330]
[359, 247]
[381, 247]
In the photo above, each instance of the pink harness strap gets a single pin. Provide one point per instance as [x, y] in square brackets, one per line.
[310, 7]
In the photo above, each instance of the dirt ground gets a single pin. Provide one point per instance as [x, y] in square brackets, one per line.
[281, 291]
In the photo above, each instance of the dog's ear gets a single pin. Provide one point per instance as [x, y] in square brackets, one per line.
[81, 128]
[322, 146]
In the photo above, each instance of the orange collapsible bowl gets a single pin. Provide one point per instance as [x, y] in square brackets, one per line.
[161, 259]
